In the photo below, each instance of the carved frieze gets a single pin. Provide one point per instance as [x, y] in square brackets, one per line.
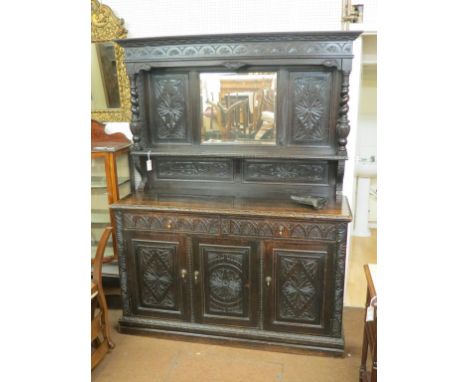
[286, 171]
[156, 268]
[299, 287]
[170, 94]
[172, 223]
[238, 50]
[311, 96]
[170, 168]
[281, 229]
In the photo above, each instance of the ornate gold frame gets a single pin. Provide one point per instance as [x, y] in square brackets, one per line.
[105, 26]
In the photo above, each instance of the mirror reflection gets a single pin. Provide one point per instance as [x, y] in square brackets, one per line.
[104, 81]
[238, 108]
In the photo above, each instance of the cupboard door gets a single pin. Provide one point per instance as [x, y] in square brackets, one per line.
[297, 287]
[158, 275]
[225, 278]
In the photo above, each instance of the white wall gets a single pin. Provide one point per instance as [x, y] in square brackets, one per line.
[146, 18]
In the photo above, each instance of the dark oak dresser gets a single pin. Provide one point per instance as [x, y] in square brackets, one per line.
[226, 128]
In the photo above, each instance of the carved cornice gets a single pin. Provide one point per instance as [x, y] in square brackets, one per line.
[304, 49]
[242, 38]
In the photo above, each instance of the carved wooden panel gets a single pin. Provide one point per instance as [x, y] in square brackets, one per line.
[299, 287]
[171, 122]
[172, 223]
[157, 268]
[193, 168]
[225, 284]
[310, 99]
[297, 295]
[285, 171]
[269, 228]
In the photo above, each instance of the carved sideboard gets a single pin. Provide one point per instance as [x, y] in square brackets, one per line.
[210, 243]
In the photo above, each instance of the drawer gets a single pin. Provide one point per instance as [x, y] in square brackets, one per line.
[166, 222]
[276, 228]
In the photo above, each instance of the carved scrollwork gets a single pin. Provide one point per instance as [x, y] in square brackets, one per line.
[285, 172]
[105, 26]
[194, 169]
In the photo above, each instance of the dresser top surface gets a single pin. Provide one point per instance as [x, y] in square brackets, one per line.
[282, 208]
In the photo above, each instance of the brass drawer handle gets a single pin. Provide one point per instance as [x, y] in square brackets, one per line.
[280, 230]
[268, 281]
[195, 277]
[183, 274]
[169, 224]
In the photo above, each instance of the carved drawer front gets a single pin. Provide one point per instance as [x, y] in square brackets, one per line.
[285, 171]
[297, 287]
[172, 223]
[158, 275]
[273, 228]
[194, 169]
[225, 282]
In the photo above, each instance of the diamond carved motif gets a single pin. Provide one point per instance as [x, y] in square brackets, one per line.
[299, 297]
[157, 280]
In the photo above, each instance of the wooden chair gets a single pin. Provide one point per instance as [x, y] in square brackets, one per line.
[100, 329]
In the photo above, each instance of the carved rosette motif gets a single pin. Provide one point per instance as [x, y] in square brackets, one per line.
[172, 223]
[170, 109]
[340, 264]
[299, 298]
[225, 282]
[122, 263]
[286, 172]
[309, 110]
[156, 268]
[343, 127]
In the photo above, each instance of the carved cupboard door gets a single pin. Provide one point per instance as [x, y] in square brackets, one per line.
[158, 275]
[298, 287]
[225, 279]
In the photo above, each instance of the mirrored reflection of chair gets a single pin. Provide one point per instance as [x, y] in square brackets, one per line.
[100, 327]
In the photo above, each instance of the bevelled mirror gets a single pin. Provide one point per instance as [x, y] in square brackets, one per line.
[238, 108]
[110, 89]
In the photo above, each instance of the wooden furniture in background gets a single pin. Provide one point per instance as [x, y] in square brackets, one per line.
[110, 179]
[210, 243]
[100, 329]
[370, 329]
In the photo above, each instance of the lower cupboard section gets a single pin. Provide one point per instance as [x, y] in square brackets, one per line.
[283, 294]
